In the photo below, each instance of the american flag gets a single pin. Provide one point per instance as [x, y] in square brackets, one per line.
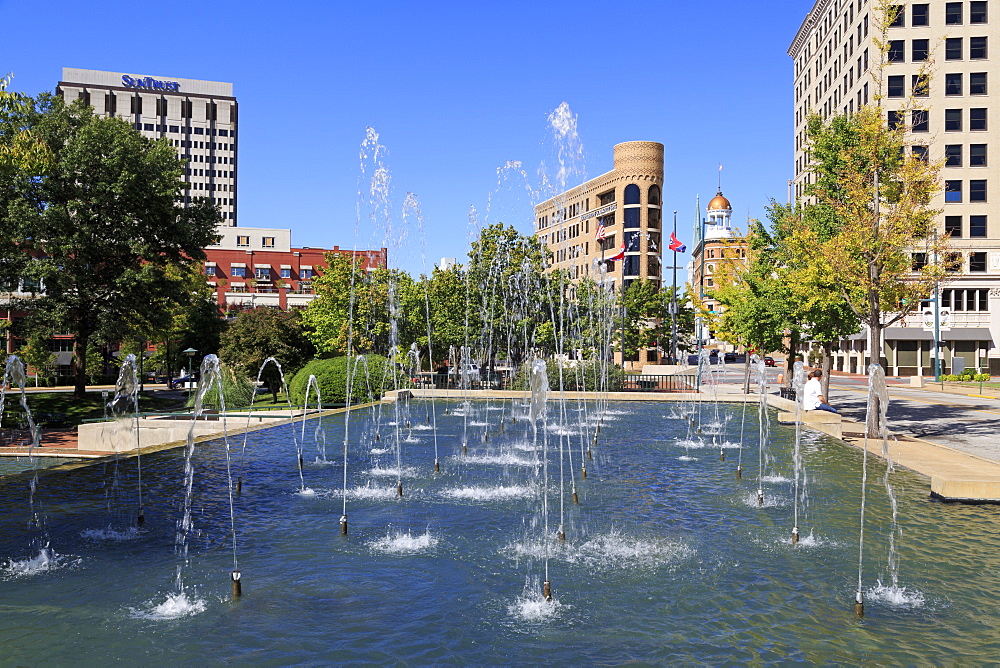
[600, 232]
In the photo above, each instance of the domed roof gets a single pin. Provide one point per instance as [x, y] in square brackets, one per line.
[719, 202]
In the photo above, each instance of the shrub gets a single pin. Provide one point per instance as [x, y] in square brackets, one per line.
[952, 378]
[237, 391]
[982, 378]
[583, 377]
[331, 375]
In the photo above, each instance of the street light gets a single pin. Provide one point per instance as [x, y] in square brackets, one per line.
[190, 352]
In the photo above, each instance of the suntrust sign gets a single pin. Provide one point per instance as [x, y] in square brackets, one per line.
[149, 83]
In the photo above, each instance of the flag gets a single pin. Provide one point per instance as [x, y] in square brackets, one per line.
[600, 232]
[676, 245]
[620, 255]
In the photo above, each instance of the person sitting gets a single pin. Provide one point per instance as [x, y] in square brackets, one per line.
[814, 399]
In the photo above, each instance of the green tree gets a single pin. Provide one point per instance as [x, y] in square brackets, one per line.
[102, 223]
[266, 332]
[645, 316]
[36, 353]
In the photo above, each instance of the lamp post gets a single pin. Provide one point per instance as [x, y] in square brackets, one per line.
[190, 352]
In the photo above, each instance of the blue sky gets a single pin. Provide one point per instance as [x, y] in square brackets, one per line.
[455, 90]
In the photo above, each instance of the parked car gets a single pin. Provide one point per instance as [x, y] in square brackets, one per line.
[180, 382]
[468, 373]
[769, 361]
[729, 358]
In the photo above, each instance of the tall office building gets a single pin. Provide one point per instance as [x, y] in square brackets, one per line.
[836, 63]
[199, 118]
[615, 215]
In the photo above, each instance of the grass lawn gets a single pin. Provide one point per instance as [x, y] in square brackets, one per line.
[52, 409]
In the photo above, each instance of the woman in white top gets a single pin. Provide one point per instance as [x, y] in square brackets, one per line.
[814, 399]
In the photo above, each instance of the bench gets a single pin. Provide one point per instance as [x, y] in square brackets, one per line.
[824, 421]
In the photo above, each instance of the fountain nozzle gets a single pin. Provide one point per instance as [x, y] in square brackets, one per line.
[583, 471]
[399, 488]
[576, 499]
[722, 455]
[739, 472]
[239, 484]
[141, 519]
[378, 437]
[237, 584]
[859, 605]
[795, 535]
[343, 525]
[547, 590]
[561, 535]
[760, 497]
[407, 424]
[437, 466]
[300, 461]
[465, 448]
[589, 455]
[486, 437]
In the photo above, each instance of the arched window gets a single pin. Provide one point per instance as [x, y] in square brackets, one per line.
[631, 194]
[654, 194]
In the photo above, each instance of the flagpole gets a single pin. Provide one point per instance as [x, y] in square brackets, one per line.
[673, 301]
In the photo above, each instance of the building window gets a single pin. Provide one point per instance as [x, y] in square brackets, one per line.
[305, 273]
[977, 119]
[977, 155]
[238, 272]
[631, 194]
[110, 103]
[286, 273]
[977, 83]
[953, 13]
[243, 240]
[632, 242]
[894, 119]
[606, 198]
[977, 226]
[953, 155]
[631, 265]
[919, 14]
[977, 11]
[898, 15]
[953, 48]
[897, 51]
[267, 242]
[920, 85]
[186, 109]
[136, 104]
[953, 226]
[210, 271]
[919, 153]
[920, 50]
[654, 195]
[263, 273]
[631, 217]
[953, 84]
[953, 120]
[952, 192]
[977, 262]
[977, 48]
[896, 86]
[919, 261]
[952, 263]
[919, 121]
[977, 190]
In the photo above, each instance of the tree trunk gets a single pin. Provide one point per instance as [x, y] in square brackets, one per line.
[827, 364]
[874, 357]
[80, 355]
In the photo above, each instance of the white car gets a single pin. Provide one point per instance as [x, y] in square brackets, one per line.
[467, 373]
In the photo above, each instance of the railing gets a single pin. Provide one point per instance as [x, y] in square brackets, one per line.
[651, 383]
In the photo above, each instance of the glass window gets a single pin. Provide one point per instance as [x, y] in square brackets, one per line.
[894, 118]
[919, 120]
[919, 14]
[953, 226]
[953, 48]
[953, 13]
[977, 48]
[267, 242]
[898, 15]
[210, 271]
[984, 300]
[654, 194]
[977, 83]
[632, 242]
[238, 272]
[977, 190]
[977, 226]
[977, 11]
[953, 84]
[920, 50]
[305, 273]
[952, 263]
[977, 155]
[243, 240]
[896, 86]
[631, 265]
[919, 153]
[919, 261]
[631, 194]
[920, 85]
[977, 119]
[286, 273]
[264, 273]
[953, 155]
[953, 120]
[952, 192]
[977, 262]
[631, 217]
[897, 50]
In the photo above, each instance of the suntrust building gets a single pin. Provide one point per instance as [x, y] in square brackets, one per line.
[199, 118]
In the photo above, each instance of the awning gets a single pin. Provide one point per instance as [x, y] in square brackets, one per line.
[63, 359]
[306, 266]
[238, 285]
[209, 264]
[262, 266]
[285, 266]
[237, 264]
